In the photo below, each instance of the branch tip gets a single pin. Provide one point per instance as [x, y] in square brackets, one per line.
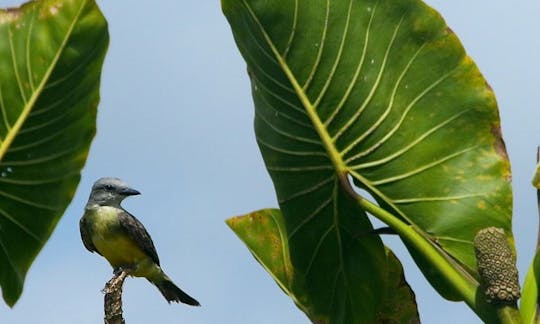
[113, 298]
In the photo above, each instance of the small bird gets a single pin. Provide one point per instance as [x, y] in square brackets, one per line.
[108, 229]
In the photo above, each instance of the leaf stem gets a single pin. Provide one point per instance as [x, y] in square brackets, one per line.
[463, 285]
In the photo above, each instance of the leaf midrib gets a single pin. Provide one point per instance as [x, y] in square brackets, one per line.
[12, 133]
[327, 142]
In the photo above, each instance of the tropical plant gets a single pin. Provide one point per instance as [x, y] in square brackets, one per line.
[51, 53]
[359, 99]
[361, 107]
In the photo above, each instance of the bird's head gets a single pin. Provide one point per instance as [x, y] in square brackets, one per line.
[110, 192]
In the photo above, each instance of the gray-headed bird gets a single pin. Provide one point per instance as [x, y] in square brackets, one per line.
[108, 229]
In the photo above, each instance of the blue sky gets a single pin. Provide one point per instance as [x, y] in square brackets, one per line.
[175, 121]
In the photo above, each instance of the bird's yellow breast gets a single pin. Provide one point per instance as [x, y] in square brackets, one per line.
[111, 240]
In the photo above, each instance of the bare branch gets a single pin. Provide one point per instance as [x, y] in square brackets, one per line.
[113, 298]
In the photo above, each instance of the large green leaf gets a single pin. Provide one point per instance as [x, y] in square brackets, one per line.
[51, 53]
[530, 295]
[265, 235]
[382, 92]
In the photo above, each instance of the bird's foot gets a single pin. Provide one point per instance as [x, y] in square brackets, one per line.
[127, 269]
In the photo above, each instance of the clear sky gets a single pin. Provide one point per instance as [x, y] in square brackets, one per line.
[176, 122]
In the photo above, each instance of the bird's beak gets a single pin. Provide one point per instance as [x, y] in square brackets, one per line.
[129, 192]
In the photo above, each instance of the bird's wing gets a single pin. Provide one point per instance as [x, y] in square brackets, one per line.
[135, 229]
[85, 236]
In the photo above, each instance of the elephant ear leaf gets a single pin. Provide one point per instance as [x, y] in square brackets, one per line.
[383, 93]
[51, 55]
[265, 235]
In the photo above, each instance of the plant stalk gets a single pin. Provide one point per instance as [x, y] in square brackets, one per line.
[465, 285]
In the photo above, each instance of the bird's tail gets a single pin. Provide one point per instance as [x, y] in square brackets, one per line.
[172, 293]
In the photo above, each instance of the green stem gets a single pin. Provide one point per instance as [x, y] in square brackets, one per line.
[509, 315]
[467, 287]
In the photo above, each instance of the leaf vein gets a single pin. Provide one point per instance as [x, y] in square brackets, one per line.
[284, 253]
[348, 91]
[309, 218]
[37, 182]
[49, 122]
[337, 60]
[307, 190]
[411, 145]
[35, 95]
[75, 70]
[15, 66]
[39, 160]
[317, 249]
[290, 152]
[43, 140]
[4, 111]
[253, 62]
[28, 202]
[320, 51]
[322, 167]
[21, 226]
[28, 51]
[293, 31]
[10, 261]
[373, 89]
[435, 198]
[275, 95]
[422, 168]
[401, 120]
[388, 108]
[285, 133]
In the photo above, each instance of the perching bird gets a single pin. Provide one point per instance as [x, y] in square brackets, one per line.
[108, 229]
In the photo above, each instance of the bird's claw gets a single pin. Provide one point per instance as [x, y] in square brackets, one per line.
[118, 270]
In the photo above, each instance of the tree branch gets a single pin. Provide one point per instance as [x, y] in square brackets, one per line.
[113, 298]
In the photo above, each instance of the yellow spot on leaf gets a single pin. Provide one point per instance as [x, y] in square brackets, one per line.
[9, 16]
[481, 204]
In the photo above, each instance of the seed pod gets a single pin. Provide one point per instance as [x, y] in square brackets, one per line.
[496, 266]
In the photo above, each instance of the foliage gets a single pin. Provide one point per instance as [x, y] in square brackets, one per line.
[376, 96]
[265, 235]
[50, 64]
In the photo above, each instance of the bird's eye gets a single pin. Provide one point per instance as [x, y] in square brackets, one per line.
[108, 187]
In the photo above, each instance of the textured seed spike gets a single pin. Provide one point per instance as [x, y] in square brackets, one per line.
[496, 266]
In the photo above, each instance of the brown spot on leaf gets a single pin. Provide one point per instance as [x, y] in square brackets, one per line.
[499, 146]
[488, 86]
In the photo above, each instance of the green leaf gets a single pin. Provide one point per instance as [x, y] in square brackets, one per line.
[383, 92]
[51, 55]
[536, 178]
[529, 296]
[400, 303]
[265, 235]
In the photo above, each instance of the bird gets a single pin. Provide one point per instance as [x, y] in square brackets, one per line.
[108, 229]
